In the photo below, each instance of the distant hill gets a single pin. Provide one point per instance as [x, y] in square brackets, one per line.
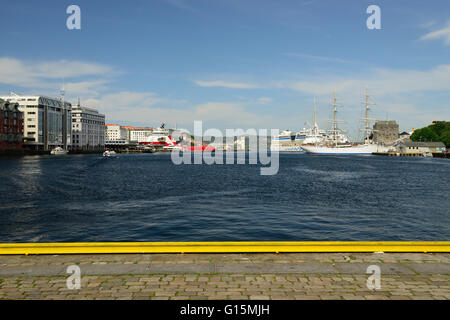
[439, 131]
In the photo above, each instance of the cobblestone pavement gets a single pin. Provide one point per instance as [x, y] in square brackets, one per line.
[227, 276]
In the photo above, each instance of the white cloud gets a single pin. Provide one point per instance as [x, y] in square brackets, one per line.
[443, 33]
[379, 81]
[85, 87]
[226, 84]
[317, 58]
[148, 107]
[264, 100]
[231, 114]
[52, 74]
[125, 101]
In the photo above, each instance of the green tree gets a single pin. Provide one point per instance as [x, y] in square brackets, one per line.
[425, 134]
[445, 138]
[439, 132]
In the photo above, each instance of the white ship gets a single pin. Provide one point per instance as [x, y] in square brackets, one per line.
[288, 141]
[336, 146]
[363, 149]
[285, 141]
[58, 151]
[109, 154]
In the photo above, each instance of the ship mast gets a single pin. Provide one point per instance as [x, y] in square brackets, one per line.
[367, 130]
[64, 120]
[335, 121]
[315, 119]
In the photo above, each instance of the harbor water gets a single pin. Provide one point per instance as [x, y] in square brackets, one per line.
[145, 197]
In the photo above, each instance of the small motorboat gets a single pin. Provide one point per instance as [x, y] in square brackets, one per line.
[109, 154]
[58, 151]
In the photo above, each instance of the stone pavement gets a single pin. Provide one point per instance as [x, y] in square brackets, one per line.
[227, 276]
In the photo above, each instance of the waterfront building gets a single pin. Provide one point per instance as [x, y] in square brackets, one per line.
[116, 135]
[46, 121]
[138, 135]
[252, 143]
[11, 126]
[404, 135]
[408, 146]
[88, 129]
[385, 132]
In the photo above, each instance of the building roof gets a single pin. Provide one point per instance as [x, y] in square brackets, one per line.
[38, 99]
[8, 106]
[410, 143]
[78, 109]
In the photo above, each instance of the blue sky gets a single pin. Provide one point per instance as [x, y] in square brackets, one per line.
[233, 63]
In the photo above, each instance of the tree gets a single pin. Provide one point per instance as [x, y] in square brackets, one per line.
[439, 132]
[445, 138]
[425, 134]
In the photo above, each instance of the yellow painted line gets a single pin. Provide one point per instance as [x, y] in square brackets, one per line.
[222, 247]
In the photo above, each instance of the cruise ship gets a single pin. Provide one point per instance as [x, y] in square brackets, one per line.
[287, 141]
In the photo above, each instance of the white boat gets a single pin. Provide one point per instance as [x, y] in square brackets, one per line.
[337, 145]
[284, 141]
[362, 149]
[109, 154]
[173, 148]
[288, 141]
[58, 151]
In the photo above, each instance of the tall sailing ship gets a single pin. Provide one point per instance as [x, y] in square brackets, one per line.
[337, 145]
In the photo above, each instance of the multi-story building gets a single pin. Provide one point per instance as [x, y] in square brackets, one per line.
[116, 135]
[138, 134]
[46, 121]
[11, 126]
[88, 129]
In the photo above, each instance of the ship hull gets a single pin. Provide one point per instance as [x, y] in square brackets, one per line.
[367, 149]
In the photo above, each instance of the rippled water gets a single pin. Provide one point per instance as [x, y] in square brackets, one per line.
[144, 197]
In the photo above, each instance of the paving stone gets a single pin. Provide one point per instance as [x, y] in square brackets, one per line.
[239, 276]
[361, 268]
[181, 268]
[430, 268]
[275, 268]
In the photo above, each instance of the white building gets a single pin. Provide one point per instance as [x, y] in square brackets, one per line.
[408, 146]
[116, 135]
[46, 121]
[88, 129]
[139, 134]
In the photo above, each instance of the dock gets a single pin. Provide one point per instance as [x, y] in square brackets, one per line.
[410, 154]
[420, 272]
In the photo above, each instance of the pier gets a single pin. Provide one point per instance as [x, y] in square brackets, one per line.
[411, 154]
[340, 275]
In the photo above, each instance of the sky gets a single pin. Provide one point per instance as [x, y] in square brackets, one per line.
[233, 63]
